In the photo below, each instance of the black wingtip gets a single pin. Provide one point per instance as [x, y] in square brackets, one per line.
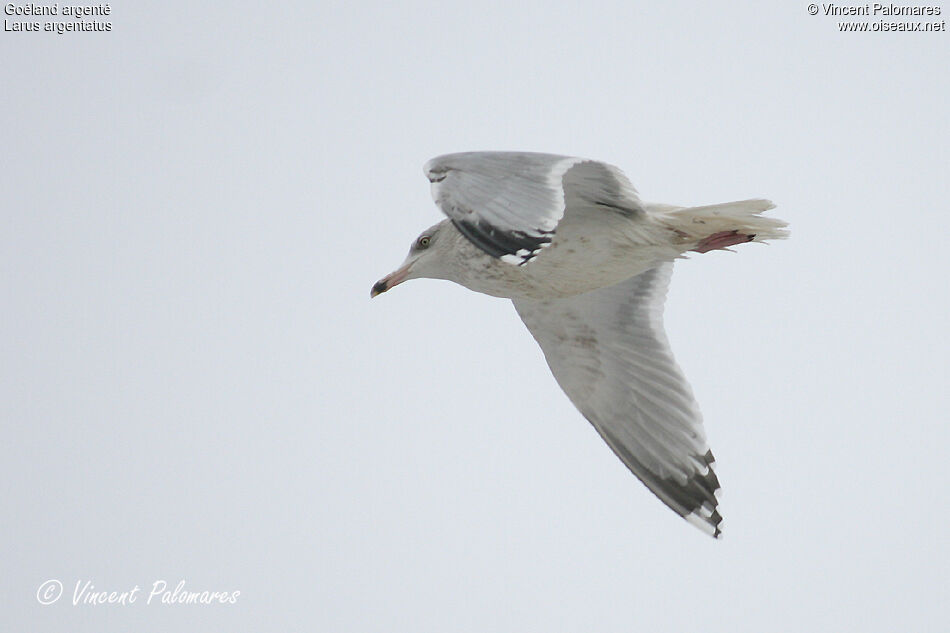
[504, 244]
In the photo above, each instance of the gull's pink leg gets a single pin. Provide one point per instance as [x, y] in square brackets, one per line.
[723, 239]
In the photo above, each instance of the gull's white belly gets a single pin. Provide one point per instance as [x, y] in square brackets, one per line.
[574, 263]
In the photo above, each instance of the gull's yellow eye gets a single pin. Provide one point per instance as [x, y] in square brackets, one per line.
[424, 241]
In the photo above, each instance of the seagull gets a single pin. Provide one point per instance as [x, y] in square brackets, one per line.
[587, 265]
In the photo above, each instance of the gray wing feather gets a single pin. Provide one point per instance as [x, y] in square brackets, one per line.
[509, 203]
[609, 353]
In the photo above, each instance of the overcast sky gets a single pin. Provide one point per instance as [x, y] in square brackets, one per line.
[196, 386]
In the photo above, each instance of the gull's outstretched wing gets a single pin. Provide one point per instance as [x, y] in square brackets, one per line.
[609, 353]
[510, 203]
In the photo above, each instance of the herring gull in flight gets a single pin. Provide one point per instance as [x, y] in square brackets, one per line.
[587, 264]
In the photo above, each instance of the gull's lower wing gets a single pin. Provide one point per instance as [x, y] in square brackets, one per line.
[609, 353]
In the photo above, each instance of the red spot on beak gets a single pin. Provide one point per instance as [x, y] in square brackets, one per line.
[390, 280]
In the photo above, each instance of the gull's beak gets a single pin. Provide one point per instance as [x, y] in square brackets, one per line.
[390, 280]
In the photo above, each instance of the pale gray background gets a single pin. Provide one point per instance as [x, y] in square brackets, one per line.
[195, 384]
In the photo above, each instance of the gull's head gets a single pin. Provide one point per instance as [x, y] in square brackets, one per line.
[425, 259]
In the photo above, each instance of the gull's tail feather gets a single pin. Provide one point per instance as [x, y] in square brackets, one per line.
[706, 228]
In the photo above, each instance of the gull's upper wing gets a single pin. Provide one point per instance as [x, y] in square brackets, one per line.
[510, 203]
[609, 353]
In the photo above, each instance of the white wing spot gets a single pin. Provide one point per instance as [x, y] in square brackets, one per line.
[701, 522]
